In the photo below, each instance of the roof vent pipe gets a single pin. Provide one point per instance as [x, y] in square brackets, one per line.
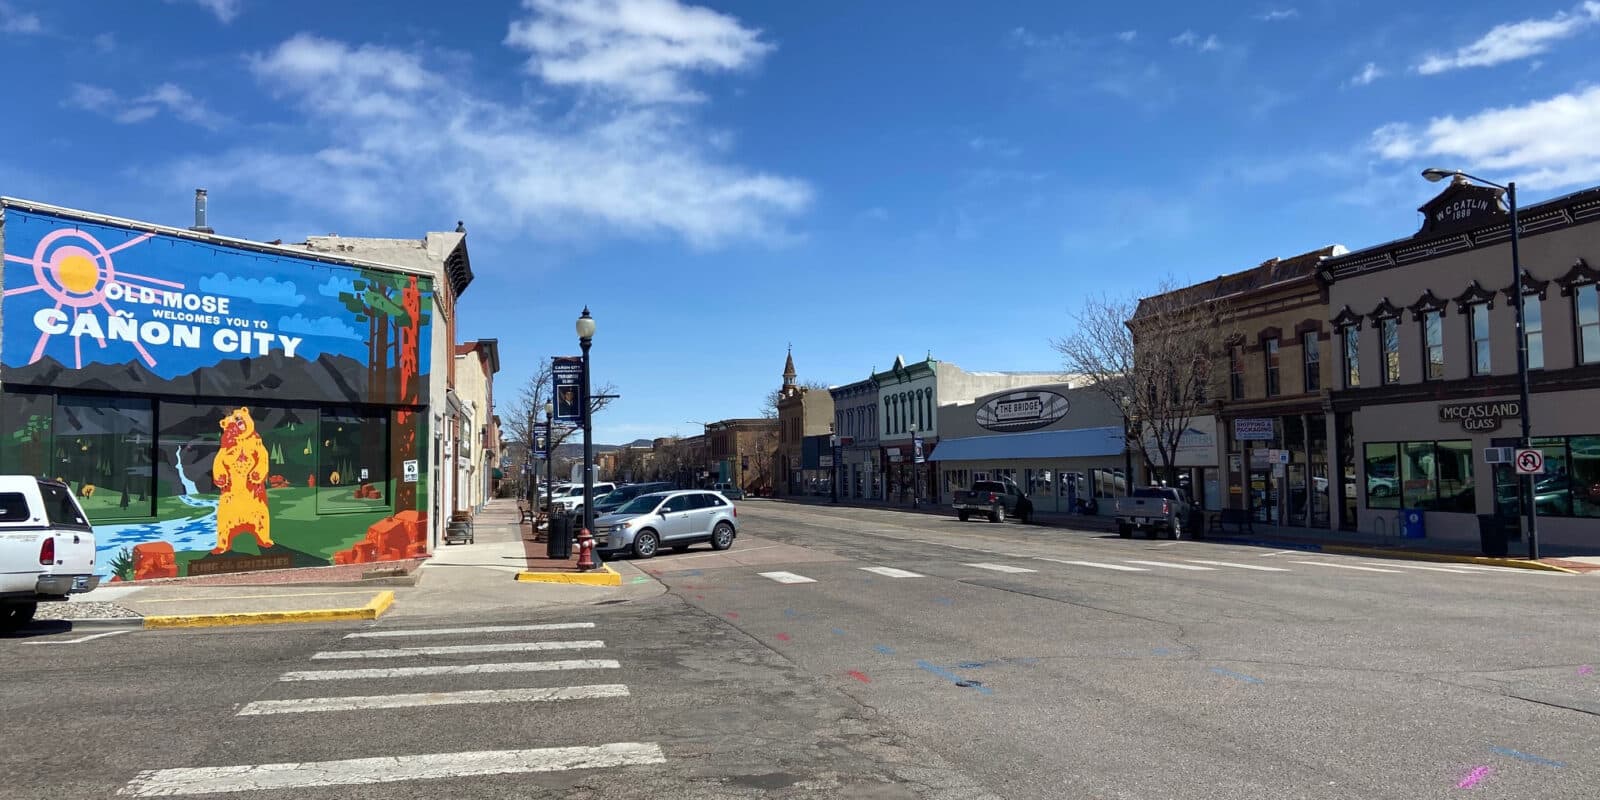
[200, 225]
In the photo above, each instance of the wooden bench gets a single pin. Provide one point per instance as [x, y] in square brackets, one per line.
[525, 512]
[1239, 518]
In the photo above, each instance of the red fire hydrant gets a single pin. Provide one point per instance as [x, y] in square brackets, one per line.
[585, 550]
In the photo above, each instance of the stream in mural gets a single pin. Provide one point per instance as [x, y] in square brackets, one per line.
[189, 533]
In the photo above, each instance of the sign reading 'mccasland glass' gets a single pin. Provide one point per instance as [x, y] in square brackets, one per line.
[1476, 417]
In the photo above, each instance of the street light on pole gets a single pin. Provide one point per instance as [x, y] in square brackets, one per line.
[1529, 510]
[913, 430]
[833, 465]
[585, 328]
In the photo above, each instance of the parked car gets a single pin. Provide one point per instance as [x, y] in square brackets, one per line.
[572, 501]
[676, 519]
[728, 490]
[46, 547]
[1157, 509]
[619, 496]
[993, 500]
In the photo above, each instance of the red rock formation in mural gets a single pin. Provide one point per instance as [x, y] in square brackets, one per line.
[154, 560]
[240, 472]
[402, 536]
[408, 361]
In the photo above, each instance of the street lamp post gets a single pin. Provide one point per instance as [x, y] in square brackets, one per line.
[549, 460]
[914, 493]
[833, 464]
[1529, 509]
[585, 328]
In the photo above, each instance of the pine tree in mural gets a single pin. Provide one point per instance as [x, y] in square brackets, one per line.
[395, 310]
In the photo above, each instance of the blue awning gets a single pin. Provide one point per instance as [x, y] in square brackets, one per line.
[1080, 443]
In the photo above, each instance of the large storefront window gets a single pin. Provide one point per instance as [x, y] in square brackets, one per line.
[353, 466]
[1570, 485]
[1436, 476]
[102, 449]
[25, 434]
[1108, 483]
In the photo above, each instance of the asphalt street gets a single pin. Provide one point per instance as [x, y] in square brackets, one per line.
[862, 653]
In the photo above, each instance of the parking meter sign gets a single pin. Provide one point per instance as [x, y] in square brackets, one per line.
[1530, 462]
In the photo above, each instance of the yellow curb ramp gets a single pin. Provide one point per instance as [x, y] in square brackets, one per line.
[605, 576]
[371, 610]
[1414, 555]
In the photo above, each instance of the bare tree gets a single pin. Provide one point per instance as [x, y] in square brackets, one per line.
[762, 451]
[525, 420]
[1156, 359]
[769, 406]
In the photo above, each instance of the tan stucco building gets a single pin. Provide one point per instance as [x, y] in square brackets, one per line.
[802, 412]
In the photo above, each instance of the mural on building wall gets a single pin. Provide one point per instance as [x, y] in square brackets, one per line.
[215, 409]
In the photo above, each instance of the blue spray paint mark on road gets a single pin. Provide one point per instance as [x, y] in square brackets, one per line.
[976, 664]
[949, 676]
[838, 631]
[884, 649]
[1236, 675]
[1533, 759]
[944, 601]
[1161, 651]
[791, 613]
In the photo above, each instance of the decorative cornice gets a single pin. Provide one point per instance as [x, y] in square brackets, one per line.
[1474, 294]
[1426, 303]
[1347, 319]
[1385, 310]
[1273, 332]
[1581, 274]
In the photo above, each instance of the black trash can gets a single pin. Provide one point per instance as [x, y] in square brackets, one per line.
[1494, 532]
[558, 540]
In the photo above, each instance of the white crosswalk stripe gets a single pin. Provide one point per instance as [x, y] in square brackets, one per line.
[1348, 566]
[1171, 565]
[466, 697]
[387, 769]
[549, 626]
[447, 650]
[1118, 567]
[449, 669]
[1256, 567]
[786, 577]
[1418, 566]
[891, 572]
[1002, 568]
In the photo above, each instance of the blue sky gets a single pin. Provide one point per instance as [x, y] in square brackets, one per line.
[860, 179]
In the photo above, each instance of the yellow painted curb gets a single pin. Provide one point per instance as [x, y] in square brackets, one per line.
[371, 610]
[605, 576]
[1413, 555]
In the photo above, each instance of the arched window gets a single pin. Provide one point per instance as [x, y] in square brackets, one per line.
[887, 418]
[929, 400]
[905, 410]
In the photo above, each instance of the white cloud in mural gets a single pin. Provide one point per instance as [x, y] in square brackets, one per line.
[335, 286]
[331, 327]
[266, 291]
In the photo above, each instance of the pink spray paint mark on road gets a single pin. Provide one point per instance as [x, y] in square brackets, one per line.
[1585, 670]
[1474, 777]
[733, 615]
[859, 676]
[783, 637]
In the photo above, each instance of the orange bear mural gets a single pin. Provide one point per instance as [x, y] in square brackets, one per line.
[240, 471]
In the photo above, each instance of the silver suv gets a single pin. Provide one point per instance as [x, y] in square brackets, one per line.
[669, 519]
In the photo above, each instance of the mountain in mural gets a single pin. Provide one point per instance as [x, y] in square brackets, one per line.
[272, 376]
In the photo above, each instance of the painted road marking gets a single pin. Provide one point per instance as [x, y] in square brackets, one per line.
[80, 639]
[951, 677]
[891, 572]
[468, 697]
[860, 676]
[1349, 566]
[451, 669]
[516, 647]
[1001, 567]
[1477, 774]
[387, 769]
[1238, 676]
[1417, 566]
[1118, 567]
[1170, 564]
[786, 577]
[884, 649]
[1533, 759]
[1256, 567]
[549, 626]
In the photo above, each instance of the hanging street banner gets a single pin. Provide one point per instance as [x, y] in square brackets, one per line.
[567, 374]
[539, 446]
[916, 447]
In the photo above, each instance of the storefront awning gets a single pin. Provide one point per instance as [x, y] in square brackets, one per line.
[1080, 443]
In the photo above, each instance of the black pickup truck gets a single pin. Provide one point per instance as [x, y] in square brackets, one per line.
[994, 500]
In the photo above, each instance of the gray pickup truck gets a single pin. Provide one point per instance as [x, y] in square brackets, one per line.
[1157, 509]
[994, 500]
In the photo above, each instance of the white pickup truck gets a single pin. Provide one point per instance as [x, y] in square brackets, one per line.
[46, 547]
[1157, 509]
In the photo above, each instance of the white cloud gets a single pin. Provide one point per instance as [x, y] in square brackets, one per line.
[1193, 40]
[167, 97]
[1367, 75]
[1127, 36]
[641, 49]
[14, 21]
[994, 145]
[225, 10]
[1545, 144]
[1278, 14]
[391, 136]
[1515, 40]
[1074, 64]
